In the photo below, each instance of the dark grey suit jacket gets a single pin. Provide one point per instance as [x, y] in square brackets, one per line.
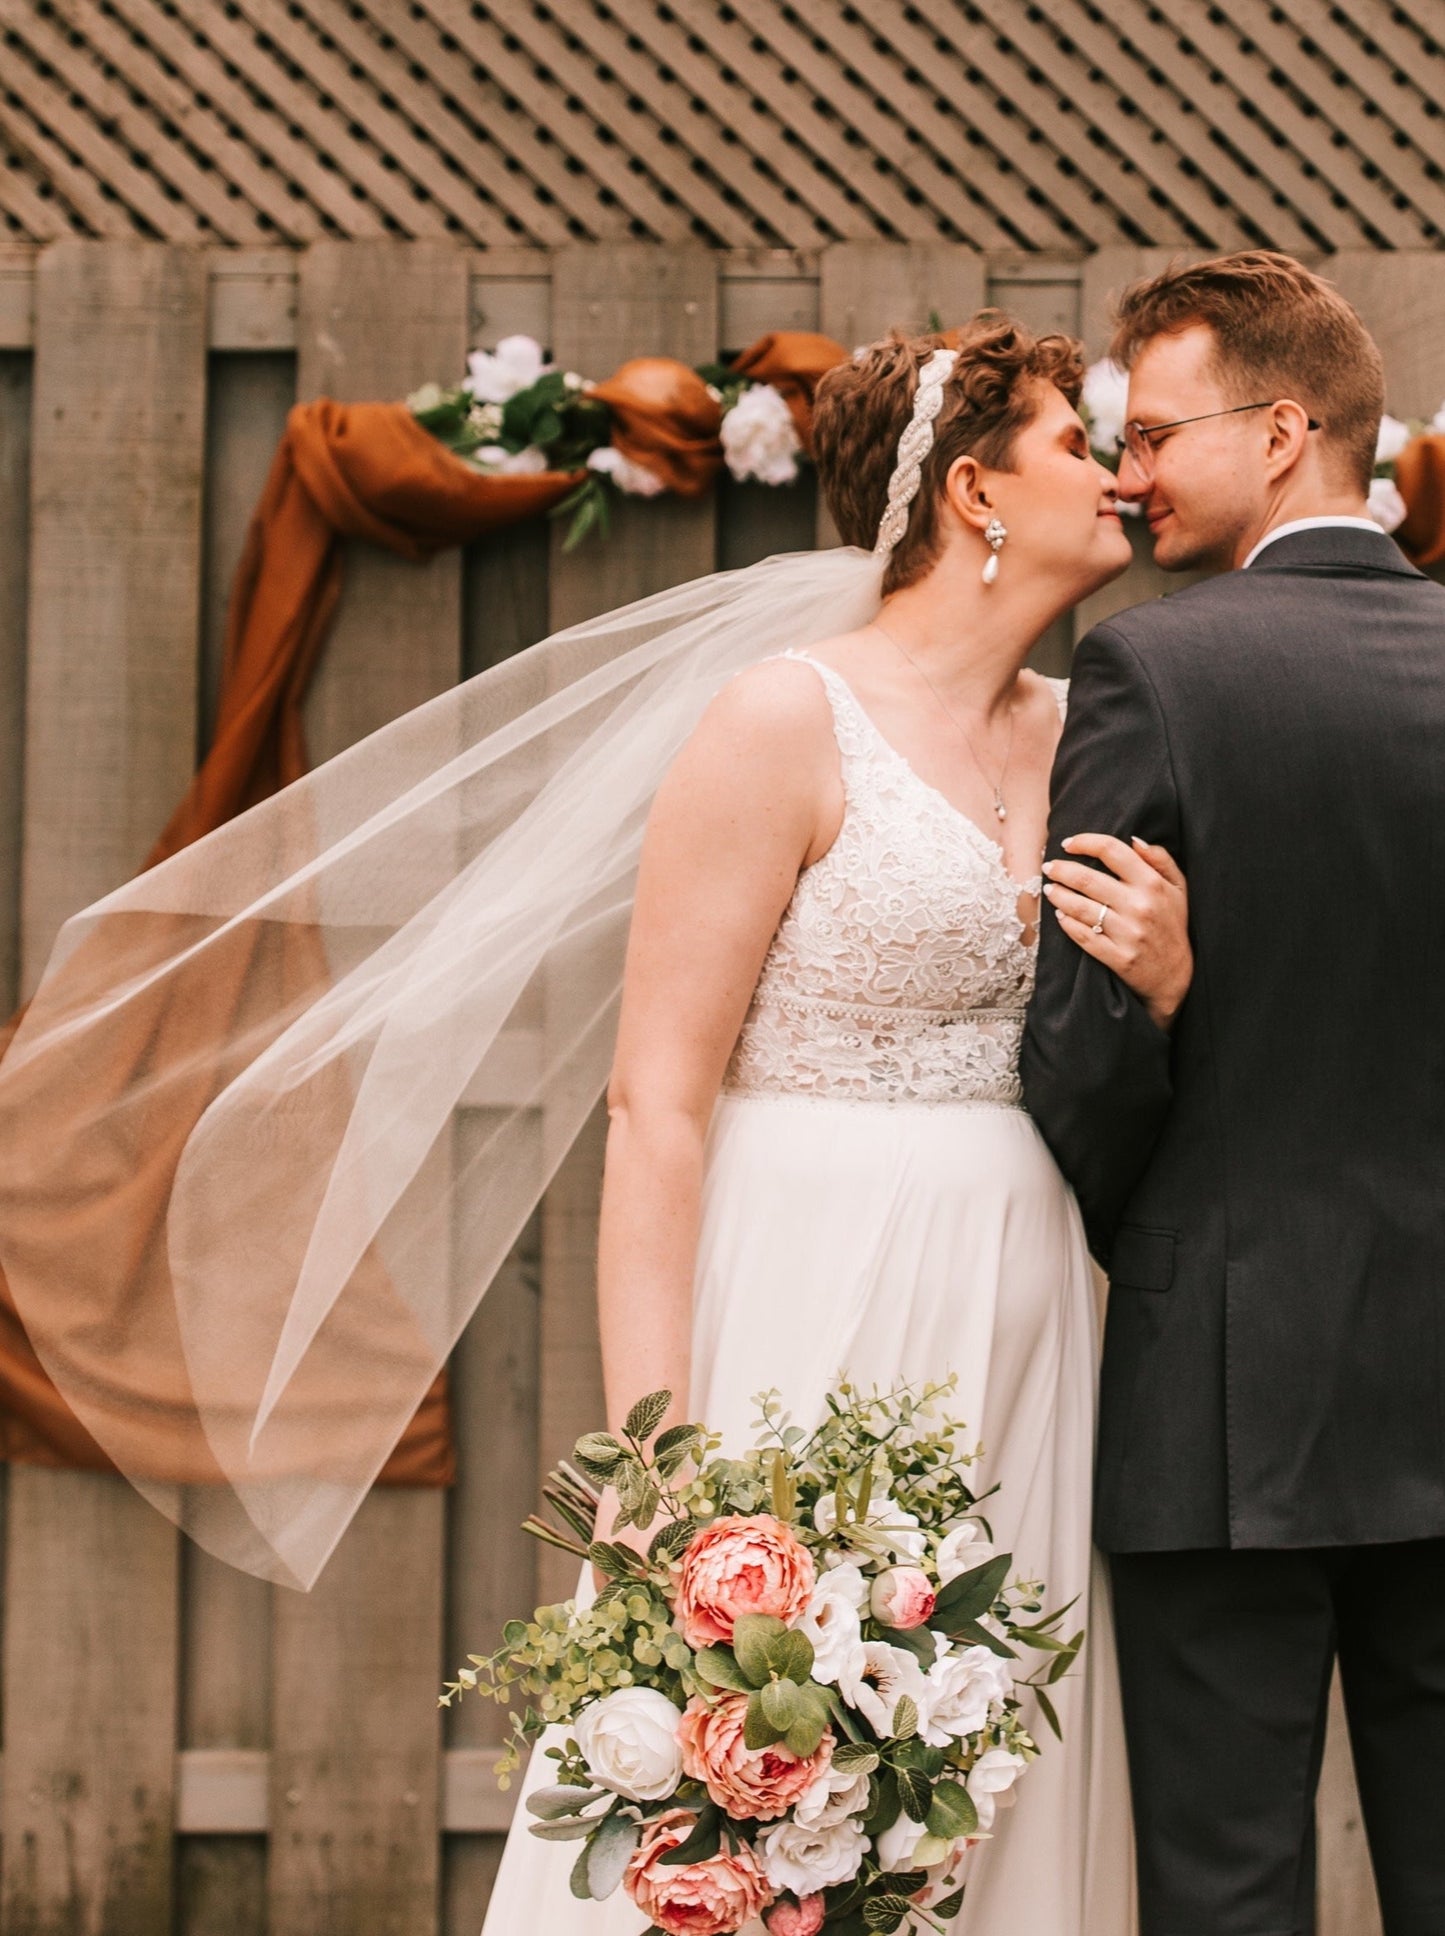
[1267, 1186]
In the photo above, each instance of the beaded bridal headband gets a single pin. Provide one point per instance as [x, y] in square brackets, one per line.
[913, 446]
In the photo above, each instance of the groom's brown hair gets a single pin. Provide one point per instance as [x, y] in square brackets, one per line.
[1279, 331]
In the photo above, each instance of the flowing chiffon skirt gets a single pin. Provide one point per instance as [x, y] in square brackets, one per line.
[905, 1241]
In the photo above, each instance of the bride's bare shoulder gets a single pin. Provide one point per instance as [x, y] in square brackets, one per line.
[772, 704]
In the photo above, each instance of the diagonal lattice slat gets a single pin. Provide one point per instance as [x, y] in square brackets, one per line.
[1005, 124]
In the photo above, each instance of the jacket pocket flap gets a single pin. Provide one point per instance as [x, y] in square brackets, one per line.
[1142, 1259]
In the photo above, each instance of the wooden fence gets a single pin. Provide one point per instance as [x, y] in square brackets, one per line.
[186, 1749]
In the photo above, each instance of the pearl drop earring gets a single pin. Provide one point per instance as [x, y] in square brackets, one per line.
[994, 533]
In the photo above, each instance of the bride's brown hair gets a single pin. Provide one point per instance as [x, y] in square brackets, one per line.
[863, 407]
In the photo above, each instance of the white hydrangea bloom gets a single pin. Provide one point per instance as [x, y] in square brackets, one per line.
[1385, 504]
[636, 480]
[1392, 439]
[1105, 402]
[510, 463]
[759, 437]
[495, 376]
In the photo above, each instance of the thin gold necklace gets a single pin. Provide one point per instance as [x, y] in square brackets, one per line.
[998, 800]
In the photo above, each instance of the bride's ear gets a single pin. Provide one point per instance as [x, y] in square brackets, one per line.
[966, 494]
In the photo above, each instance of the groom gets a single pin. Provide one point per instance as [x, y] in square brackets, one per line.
[1265, 1182]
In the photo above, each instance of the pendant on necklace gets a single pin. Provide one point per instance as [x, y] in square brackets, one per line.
[999, 808]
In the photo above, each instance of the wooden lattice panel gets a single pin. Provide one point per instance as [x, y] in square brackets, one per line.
[1056, 124]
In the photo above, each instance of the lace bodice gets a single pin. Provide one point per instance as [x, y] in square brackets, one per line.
[900, 969]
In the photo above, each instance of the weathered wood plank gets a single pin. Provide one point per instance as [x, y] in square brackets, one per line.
[607, 305]
[90, 1709]
[355, 1772]
[1400, 294]
[114, 568]
[14, 590]
[246, 415]
[90, 1659]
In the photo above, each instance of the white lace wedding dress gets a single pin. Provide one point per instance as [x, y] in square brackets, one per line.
[876, 1200]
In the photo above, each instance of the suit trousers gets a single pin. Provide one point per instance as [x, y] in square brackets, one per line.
[1226, 1659]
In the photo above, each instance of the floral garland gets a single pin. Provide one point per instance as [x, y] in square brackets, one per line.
[1104, 403]
[516, 414]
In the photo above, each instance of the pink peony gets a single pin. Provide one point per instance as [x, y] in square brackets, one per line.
[902, 1597]
[741, 1565]
[801, 1918]
[709, 1898]
[756, 1783]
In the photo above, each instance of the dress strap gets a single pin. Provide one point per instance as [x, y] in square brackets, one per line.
[1060, 690]
[852, 728]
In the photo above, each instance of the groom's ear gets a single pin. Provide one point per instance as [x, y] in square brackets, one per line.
[1288, 427]
[965, 490]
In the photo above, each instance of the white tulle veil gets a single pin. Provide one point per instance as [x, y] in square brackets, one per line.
[236, 1215]
[287, 1018]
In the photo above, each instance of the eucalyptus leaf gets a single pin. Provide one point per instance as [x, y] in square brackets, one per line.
[609, 1854]
[931, 1849]
[572, 1830]
[915, 1791]
[758, 1730]
[781, 1702]
[552, 1803]
[1064, 1660]
[646, 1415]
[753, 1638]
[805, 1736]
[952, 1812]
[716, 1666]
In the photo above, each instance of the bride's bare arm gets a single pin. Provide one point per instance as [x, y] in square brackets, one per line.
[754, 796]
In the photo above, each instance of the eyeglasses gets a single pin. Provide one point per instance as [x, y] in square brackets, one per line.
[1137, 441]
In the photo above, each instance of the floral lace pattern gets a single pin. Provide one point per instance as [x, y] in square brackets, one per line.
[901, 968]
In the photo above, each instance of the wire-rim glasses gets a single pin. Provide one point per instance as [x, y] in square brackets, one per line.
[1137, 441]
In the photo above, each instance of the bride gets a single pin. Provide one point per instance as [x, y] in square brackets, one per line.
[817, 1159]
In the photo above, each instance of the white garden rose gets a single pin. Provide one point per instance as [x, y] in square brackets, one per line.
[885, 1675]
[961, 1687]
[1105, 401]
[1392, 439]
[833, 1797]
[962, 1548]
[990, 1783]
[636, 480]
[896, 1844]
[805, 1857]
[1385, 504]
[629, 1742]
[759, 438]
[832, 1623]
[495, 376]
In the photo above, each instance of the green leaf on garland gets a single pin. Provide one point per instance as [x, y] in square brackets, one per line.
[702, 1844]
[952, 1812]
[972, 1593]
[716, 1666]
[915, 1791]
[609, 1853]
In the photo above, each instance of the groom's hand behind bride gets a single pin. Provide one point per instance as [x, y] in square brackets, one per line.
[1134, 918]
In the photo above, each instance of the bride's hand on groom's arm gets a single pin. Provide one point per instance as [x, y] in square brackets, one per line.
[1144, 938]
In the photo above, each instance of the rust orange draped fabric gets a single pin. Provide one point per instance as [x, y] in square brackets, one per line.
[368, 471]
[1420, 479]
[342, 470]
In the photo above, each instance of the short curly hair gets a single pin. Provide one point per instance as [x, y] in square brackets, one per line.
[863, 407]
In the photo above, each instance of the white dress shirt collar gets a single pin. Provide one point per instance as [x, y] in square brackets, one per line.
[1308, 524]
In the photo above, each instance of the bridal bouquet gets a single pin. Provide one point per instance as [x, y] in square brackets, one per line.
[802, 1701]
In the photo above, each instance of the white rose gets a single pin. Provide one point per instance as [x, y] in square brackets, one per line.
[1437, 422]
[896, 1844]
[806, 1858]
[832, 1624]
[961, 1688]
[884, 1676]
[1105, 402]
[833, 1797]
[510, 463]
[1392, 439]
[629, 1742]
[759, 437]
[635, 479]
[495, 376]
[960, 1550]
[1385, 504]
[990, 1783]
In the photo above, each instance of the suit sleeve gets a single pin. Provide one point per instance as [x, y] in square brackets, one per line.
[1096, 1069]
